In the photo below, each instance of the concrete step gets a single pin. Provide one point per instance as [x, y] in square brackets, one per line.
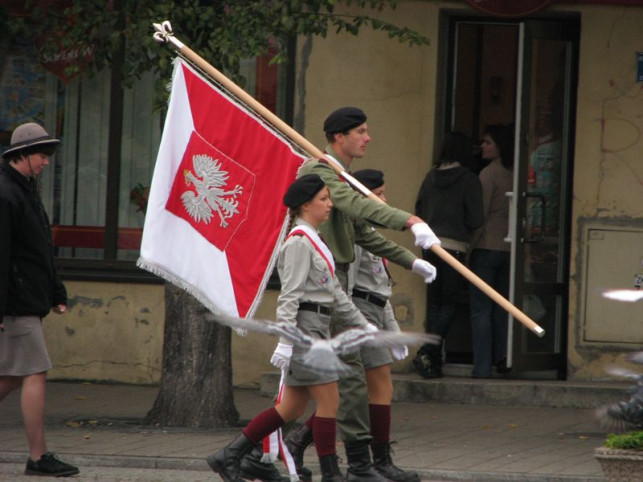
[507, 392]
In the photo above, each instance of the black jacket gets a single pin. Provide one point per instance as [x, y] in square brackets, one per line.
[450, 201]
[29, 285]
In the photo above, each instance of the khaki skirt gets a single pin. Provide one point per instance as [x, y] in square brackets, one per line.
[373, 357]
[22, 347]
[300, 374]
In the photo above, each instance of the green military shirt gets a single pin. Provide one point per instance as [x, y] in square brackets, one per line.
[347, 226]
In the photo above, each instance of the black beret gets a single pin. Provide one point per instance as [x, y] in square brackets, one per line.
[344, 119]
[371, 178]
[303, 189]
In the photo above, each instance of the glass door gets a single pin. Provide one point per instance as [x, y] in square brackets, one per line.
[542, 188]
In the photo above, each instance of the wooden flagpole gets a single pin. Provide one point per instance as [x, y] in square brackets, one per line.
[164, 34]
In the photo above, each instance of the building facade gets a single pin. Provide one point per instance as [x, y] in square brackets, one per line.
[568, 76]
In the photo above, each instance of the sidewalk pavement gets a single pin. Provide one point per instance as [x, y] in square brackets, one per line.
[102, 425]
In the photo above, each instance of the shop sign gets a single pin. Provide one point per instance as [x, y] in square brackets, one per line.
[62, 60]
[65, 62]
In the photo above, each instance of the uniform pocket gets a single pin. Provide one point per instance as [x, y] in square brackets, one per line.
[319, 264]
[320, 272]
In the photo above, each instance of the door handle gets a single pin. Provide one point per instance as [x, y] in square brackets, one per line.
[512, 217]
[541, 230]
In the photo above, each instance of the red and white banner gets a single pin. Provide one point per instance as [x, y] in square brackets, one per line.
[215, 214]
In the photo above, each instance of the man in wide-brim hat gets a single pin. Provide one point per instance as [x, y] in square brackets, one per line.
[29, 288]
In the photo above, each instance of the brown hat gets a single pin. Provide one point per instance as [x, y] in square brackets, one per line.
[303, 190]
[29, 135]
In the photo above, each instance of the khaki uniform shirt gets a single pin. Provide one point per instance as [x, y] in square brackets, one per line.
[306, 277]
[346, 227]
[369, 274]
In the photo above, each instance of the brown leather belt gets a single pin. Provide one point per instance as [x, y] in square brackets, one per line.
[315, 307]
[370, 297]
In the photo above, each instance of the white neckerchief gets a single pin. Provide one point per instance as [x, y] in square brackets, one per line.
[317, 242]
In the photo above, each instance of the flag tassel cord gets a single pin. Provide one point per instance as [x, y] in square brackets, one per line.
[165, 34]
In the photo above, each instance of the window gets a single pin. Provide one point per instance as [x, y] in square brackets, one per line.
[96, 187]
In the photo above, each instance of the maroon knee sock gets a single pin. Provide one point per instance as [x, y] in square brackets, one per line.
[324, 433]
[263, 424]
[380, 422]
[309, 423]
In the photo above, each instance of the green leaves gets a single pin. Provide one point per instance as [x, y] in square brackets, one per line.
[626, 441]
[221, 31]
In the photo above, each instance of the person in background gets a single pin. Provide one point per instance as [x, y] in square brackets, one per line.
[29, 289]
[450, 199]
[490, 257]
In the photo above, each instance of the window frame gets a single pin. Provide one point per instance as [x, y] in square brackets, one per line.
[110, 268]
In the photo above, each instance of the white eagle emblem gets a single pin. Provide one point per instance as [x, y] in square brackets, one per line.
[210, 193]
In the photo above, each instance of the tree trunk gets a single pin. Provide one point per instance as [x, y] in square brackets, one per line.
[196, 379]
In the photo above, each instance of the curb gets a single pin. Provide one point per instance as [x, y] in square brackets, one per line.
[520, 393]
[200, 465]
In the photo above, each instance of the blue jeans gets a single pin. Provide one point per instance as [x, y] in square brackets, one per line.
[488, 319]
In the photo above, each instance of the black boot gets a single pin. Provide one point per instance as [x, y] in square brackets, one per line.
[428, 361]
[384, 464]
[227, 460]
[360, 467]
[252, 468]
[330, 469]
[297, 442]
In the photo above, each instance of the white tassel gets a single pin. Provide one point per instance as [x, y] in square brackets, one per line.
[269, 458]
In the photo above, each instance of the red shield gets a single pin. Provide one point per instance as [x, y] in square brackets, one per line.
[211, 192]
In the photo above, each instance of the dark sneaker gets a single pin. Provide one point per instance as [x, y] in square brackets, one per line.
[423, 365]
[50, 464]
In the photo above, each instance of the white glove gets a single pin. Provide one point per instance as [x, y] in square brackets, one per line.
[281, 356]
[425, 269]
[370, 328]
[424, 236]
[400, 352]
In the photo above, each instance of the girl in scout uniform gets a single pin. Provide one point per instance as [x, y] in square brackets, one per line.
[309, 289]
[370, 285]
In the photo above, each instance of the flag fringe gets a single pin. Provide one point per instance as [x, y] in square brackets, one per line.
[157, 270]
